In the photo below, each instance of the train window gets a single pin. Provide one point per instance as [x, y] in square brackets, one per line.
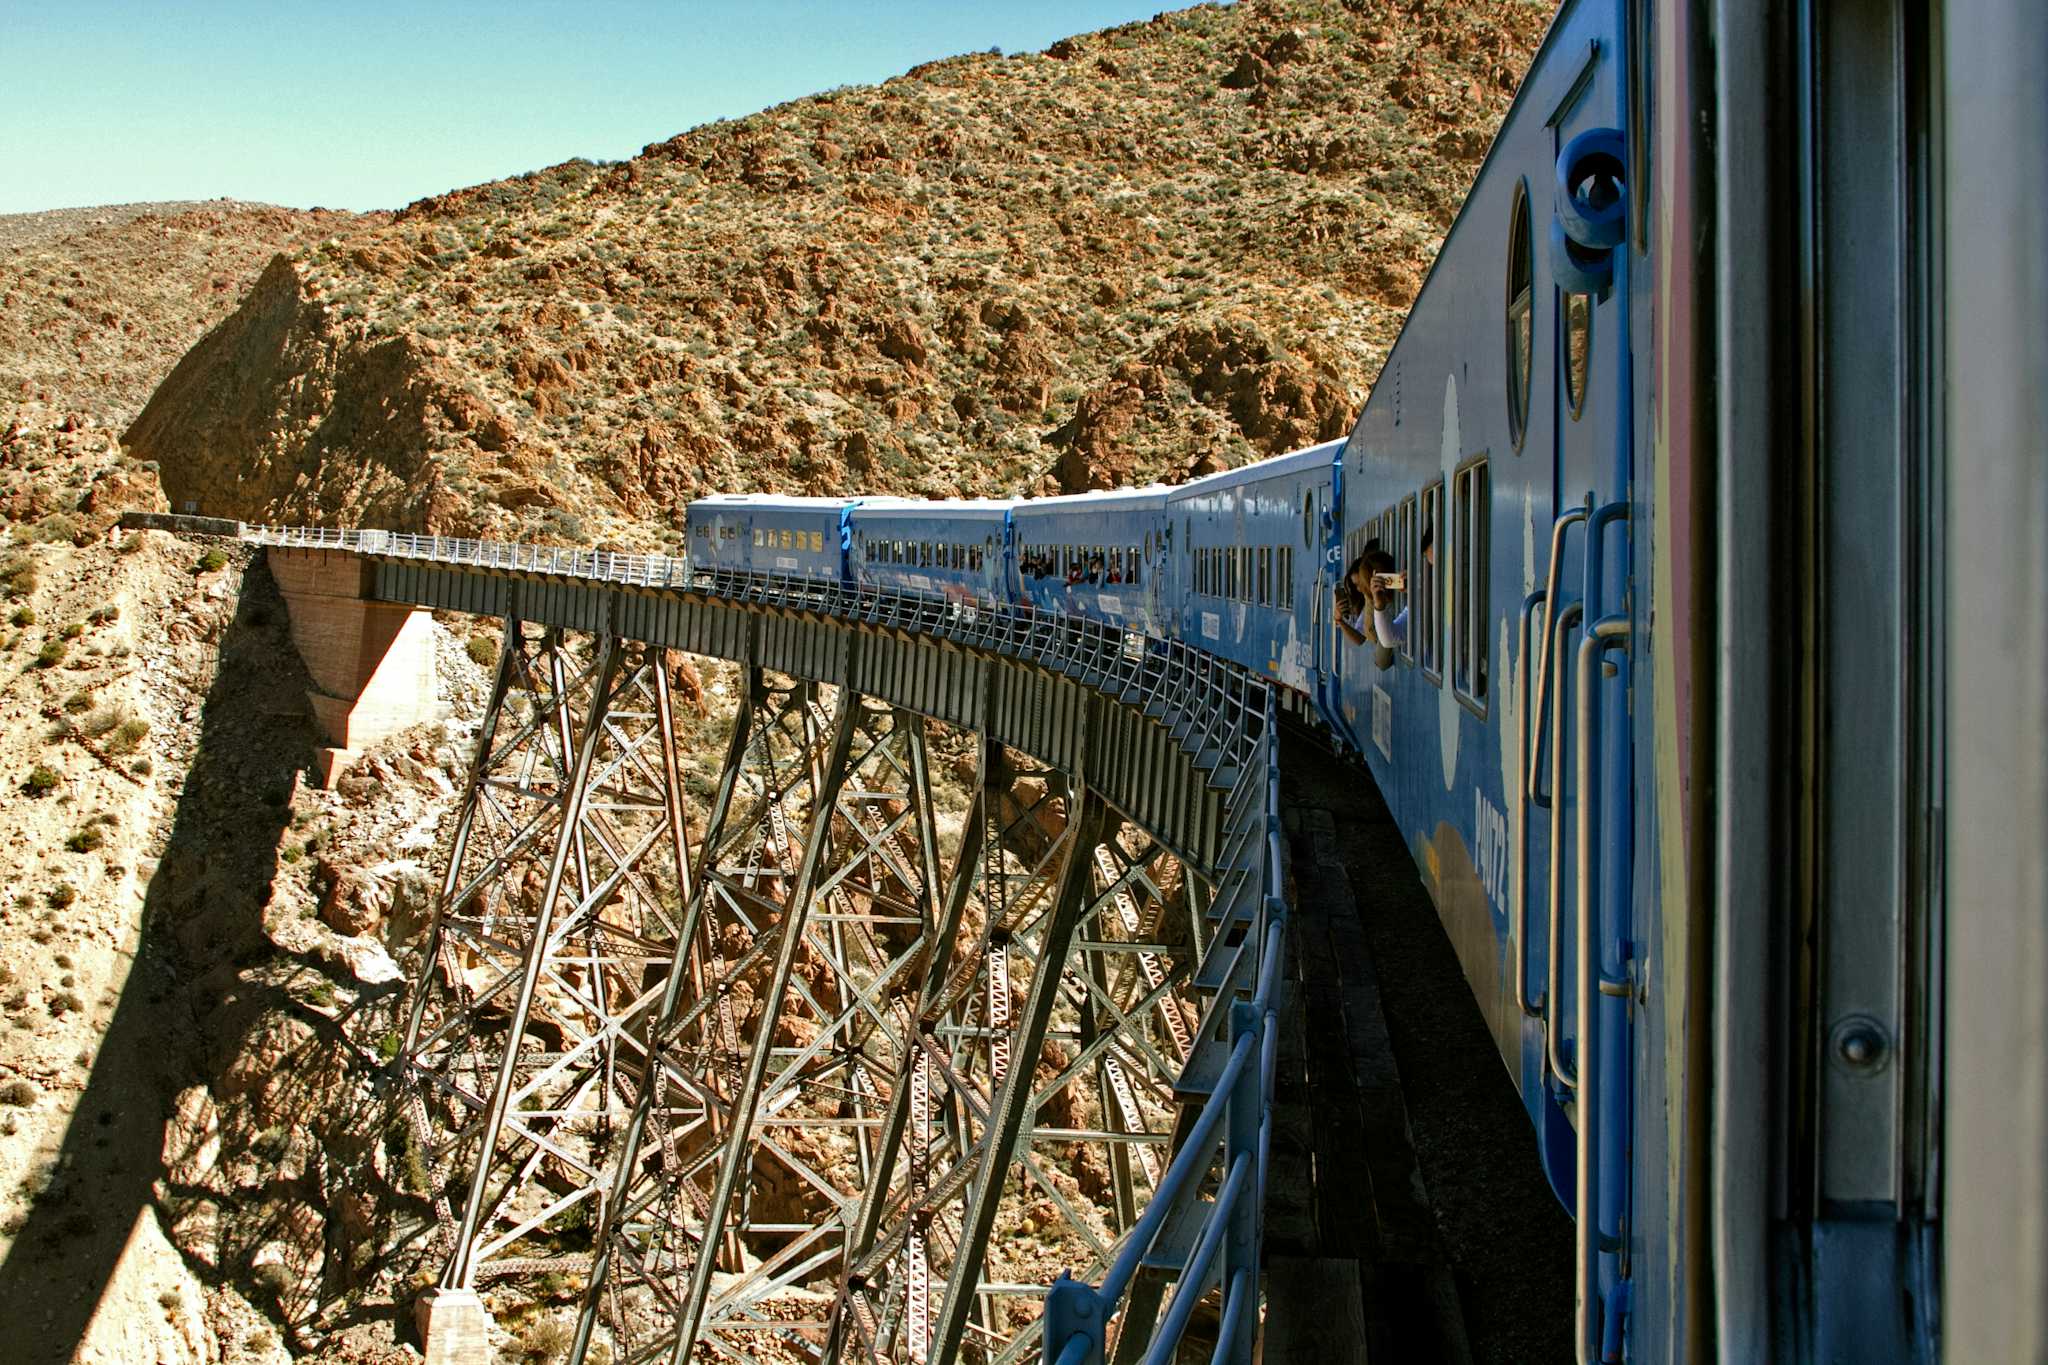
[1470, 506]
[1578, 350]
[1404, 560]
[1521, 315]
[1285, 596]
[1425, 622]
[1308, 519]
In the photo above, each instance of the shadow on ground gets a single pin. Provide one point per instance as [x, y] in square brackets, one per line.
[201, 922]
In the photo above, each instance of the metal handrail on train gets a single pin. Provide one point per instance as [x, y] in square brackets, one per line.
[1230, 713]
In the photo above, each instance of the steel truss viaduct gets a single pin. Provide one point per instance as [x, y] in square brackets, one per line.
[802, 1066]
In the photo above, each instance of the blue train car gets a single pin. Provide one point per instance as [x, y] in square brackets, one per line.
[1513, 427]
[769, 534]
[1251, 551]
[958, 550]
[1107, 556]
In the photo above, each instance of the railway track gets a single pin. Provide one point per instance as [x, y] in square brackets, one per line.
[1407, 1218]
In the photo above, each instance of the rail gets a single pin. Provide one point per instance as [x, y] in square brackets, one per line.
[1211, 1198]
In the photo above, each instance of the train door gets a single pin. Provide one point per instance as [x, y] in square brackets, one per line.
[1322, 533]
[1580, 723]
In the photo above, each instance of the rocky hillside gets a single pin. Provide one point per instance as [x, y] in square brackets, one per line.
[96, 306]
[1176, 244]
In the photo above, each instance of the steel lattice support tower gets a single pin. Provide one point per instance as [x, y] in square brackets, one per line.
[850, 1080]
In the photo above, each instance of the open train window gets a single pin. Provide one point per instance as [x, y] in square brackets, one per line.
[1578, 350]
[1469, 565]
[1521, 316]
[1425, 621]
[1404, 560]
[1285, 596]
[1265, 586]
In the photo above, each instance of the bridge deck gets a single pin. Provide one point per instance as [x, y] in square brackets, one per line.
[1407, 1218]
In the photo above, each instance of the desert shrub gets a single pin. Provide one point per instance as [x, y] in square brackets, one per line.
[545, 1341]
[18, 1093]
[23, 616]
[53, 529]
[211, 560]
[104, 721]
[42, 780]
[483, 650]
[102, 615]
[273, 1278]
[65, 1002]
[74, 630]
[61, 895]
[81, 700]
[18, 576]
[51, 654]
[142, 767]
[128, 737]
[86, 840]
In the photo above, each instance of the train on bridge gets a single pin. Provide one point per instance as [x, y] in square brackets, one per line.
[1655, 479]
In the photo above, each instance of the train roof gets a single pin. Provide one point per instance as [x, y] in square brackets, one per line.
[1102, 500]
[975, 508]
[1293, 463]
[784, 500]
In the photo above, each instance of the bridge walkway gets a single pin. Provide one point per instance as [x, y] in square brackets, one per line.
[1407, 1219]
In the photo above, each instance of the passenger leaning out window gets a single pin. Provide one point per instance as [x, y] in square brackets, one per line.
[1364, 597]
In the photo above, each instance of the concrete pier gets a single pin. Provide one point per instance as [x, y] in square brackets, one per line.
[372, 663]
[454, 1328]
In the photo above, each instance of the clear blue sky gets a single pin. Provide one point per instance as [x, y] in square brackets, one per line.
[374, 103]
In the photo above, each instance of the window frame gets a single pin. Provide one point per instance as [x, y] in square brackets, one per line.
[1575, 393]
[1521, 368]
[1471, 564]
[1426, 620]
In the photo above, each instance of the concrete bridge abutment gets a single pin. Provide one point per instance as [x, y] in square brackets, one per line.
[372, 663]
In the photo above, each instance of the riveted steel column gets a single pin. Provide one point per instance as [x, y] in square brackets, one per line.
[472, 793]
[867, 1222]
[737, 1152]
[1007, 1115]
[458, 1273]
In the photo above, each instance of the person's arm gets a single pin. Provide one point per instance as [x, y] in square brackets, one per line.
[1350, 612]
[1389, 632]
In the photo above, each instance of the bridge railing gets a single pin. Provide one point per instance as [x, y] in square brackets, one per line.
[1211, 1198]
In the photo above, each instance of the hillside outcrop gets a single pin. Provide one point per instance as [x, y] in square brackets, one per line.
[1184, 243]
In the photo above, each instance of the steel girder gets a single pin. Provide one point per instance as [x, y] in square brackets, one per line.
[894, 1069]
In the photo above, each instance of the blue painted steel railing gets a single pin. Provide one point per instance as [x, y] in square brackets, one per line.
[1213, 1192]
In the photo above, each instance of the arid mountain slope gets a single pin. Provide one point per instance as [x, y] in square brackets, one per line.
[1175, 244]
[96, 306]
